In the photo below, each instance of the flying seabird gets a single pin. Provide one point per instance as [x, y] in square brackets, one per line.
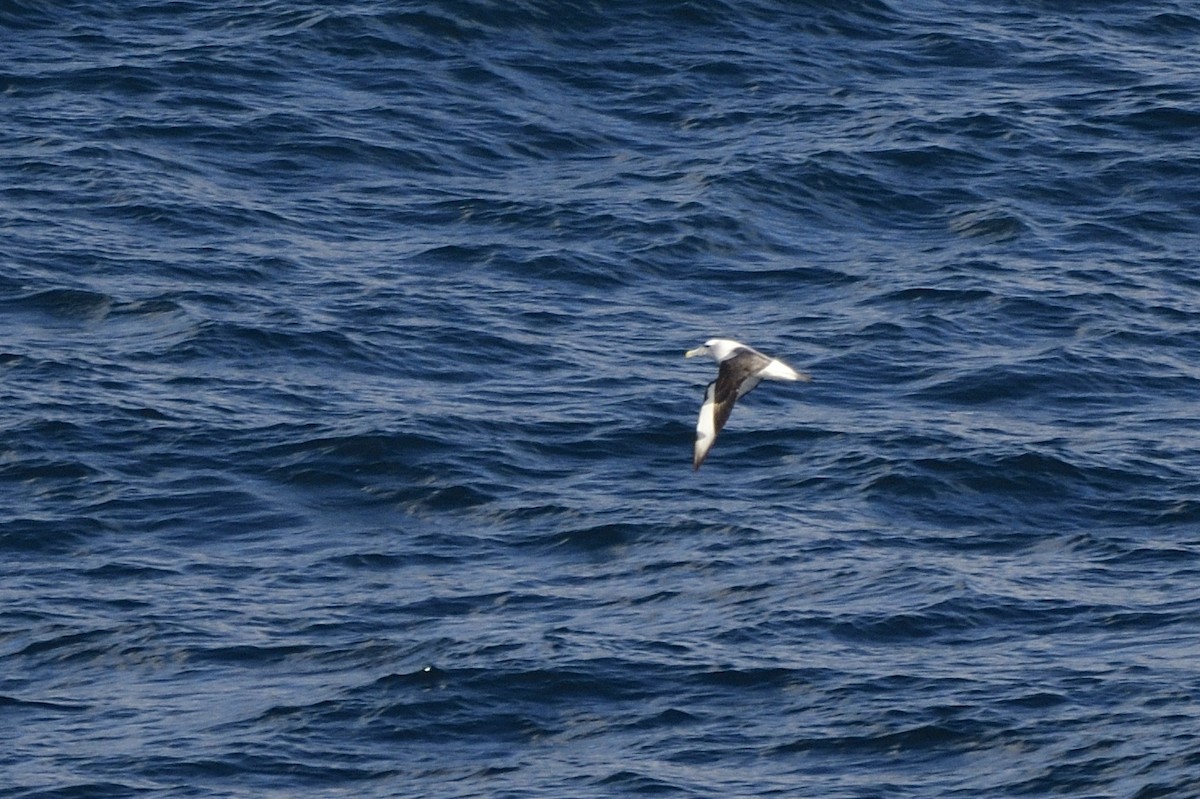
[741, 369]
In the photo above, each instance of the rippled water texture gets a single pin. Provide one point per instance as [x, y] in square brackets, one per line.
[347, 434]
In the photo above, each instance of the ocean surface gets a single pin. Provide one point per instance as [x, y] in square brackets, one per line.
[347, 434]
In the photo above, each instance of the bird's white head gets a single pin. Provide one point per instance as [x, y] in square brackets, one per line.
[716, 348]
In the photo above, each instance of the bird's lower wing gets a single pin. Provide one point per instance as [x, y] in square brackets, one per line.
[706, 426]
[718, 404]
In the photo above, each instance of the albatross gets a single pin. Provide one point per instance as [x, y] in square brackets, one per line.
[741, 368]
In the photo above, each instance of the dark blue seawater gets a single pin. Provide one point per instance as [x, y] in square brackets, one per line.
[346, 433]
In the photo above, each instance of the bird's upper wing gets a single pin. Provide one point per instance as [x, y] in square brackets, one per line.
[738, 375]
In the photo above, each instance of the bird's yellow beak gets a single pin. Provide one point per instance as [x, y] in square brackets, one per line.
[694, 353]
